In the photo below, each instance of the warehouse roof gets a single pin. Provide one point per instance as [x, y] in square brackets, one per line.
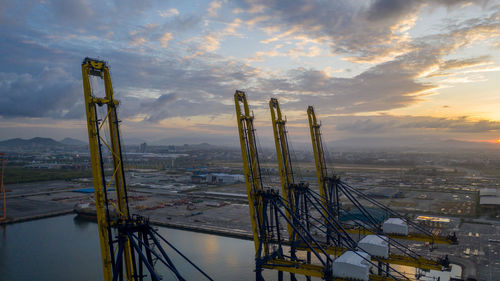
[355, 258]
[488, 191]
[374, 240]
[489, 200]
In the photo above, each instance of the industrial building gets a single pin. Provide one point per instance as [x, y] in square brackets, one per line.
[385, 193]
[489, 199]
[222, 178]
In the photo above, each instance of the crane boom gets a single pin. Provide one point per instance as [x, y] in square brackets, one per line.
[283, 156]
[251, 165]
[319, 159]
[327, 185]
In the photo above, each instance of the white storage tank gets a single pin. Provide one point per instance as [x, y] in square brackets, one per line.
[395, 226]
[375, 245]
[351, 265]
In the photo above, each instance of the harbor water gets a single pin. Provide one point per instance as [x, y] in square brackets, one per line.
[67, 248]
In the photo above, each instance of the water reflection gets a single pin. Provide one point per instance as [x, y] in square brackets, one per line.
[82, 224]
[67, 248]
[432, 275]
[50, 249]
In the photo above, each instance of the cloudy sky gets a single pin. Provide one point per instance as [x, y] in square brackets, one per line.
[388, 69]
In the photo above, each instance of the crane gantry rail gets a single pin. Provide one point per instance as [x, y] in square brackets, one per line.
[126, 240]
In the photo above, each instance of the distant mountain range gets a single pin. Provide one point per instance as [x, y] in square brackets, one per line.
[30, 142]
[40, 142]
[409, 143]
[351, 144]
[71, 141]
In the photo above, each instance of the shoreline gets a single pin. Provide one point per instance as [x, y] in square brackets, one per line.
[467, 271]
[188, 227]
[36, 217]
[205, 230]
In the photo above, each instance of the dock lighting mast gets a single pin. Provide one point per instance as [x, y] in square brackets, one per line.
[125, 239]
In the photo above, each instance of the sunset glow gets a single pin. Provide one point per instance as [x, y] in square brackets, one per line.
[371, 69]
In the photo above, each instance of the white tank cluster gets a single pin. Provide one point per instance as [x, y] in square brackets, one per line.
[352, 265]
[395, 226]
[375, 245]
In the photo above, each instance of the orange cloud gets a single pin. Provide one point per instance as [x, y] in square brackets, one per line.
[165, 39]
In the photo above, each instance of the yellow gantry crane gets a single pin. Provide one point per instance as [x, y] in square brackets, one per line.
[283, 156]
[251, 166]
[125, 240]
[267, 240]
[269, 210]
[328, 190]
[330, 198]
[320, 163]
[91, 67]
[286, 173]
[324, 181]
[327, 187]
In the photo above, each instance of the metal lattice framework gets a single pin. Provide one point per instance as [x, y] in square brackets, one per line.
[280, 221]
[300, 230]
[129, 245]
[303, 198]
[332, 187]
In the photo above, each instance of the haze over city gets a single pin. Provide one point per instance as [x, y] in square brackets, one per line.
[406, 71]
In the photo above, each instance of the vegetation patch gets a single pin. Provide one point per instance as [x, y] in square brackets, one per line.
[21, 175]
